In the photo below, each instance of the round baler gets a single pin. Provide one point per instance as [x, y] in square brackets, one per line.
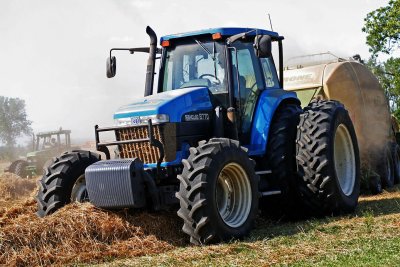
[354, 85]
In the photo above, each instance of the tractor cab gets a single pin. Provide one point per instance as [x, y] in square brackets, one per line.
[227, 65]
[45, 146]
[60, 140]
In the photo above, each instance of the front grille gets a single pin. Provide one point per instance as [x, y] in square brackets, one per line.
[143, 150]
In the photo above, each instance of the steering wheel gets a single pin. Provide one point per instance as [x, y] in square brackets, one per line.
[210, 75]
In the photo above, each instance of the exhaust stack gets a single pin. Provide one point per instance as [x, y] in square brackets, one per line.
[150, 62]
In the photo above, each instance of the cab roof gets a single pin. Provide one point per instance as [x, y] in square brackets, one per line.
[223, 31]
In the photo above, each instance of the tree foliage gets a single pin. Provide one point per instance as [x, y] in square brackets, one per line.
[13, 120]
[388, 74]
[382, 27]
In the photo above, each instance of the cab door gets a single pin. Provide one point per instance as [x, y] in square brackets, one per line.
[248, 82]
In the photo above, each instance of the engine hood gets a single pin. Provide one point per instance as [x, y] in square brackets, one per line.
[174, 103]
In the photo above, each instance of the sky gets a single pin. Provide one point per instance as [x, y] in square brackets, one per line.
[53, 52]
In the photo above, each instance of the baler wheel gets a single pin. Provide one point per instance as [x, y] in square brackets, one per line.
[375, 184]
[328, 159]
[386, 167]
[63, 180]
[218, 192]
[396, 162]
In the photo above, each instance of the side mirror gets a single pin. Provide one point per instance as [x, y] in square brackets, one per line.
[111, 66]
[262, 45]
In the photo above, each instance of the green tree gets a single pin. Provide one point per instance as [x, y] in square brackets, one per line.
[388, 74]
[13, 120]
[382, 27]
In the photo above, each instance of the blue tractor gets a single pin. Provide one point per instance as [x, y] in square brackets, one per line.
[219, 139]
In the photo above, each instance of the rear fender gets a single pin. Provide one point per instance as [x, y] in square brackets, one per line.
[268, 102]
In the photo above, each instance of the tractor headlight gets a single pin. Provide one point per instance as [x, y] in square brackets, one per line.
[142, 120]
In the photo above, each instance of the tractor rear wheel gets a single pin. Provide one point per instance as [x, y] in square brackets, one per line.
[281, 158]
[328, 159]
[218, 192]
[20, 168]
[64, 181]
[11, 168]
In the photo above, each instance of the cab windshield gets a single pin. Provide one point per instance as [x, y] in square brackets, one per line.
[193, 63]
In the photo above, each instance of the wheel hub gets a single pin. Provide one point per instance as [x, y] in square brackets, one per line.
[233, 195]
[79, 192]
[345, 162]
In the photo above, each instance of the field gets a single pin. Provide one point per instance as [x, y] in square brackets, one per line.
[81, 234]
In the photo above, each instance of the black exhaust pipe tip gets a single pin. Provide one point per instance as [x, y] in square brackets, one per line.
[150, 62]
[152, 34]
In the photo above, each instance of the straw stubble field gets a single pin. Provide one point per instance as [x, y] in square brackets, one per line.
[79, 233]
[82, 234]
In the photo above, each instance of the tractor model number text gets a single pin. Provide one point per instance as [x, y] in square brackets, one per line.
[197, 117]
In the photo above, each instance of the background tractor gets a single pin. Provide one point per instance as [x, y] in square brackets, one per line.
[325, 76]
[218, 138]
[45, 145]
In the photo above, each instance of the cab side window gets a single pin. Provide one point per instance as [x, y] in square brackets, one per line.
[270, 75]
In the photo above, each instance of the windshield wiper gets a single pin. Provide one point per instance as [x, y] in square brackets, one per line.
[209, 53]
[205, 49]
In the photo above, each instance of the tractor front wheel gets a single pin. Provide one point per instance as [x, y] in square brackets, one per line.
[218, 192]
[64, 181]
